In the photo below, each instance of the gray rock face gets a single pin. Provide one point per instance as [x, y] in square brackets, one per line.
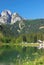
[15, 17]
[6, 17]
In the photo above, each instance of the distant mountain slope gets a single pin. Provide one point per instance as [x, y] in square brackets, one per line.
[23, 27]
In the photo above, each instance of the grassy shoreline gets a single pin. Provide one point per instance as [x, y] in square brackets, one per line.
[21, 44]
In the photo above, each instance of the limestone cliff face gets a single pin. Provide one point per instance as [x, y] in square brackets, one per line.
[6, 17]
[15, 17]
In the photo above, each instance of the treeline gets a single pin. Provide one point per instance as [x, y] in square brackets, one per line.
[29, 38]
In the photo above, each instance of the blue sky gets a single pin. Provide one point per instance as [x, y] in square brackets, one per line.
[30, 9]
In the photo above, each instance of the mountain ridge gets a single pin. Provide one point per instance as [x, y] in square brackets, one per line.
[6, 17]
[18, 26]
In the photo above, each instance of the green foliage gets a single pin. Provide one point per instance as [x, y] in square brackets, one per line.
[30, 26]
[21, 55]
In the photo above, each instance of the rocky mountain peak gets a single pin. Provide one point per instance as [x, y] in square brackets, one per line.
[7, 17]
[15, 17]
[5, 13]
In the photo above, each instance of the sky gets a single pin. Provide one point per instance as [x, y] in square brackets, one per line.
[30, 9]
